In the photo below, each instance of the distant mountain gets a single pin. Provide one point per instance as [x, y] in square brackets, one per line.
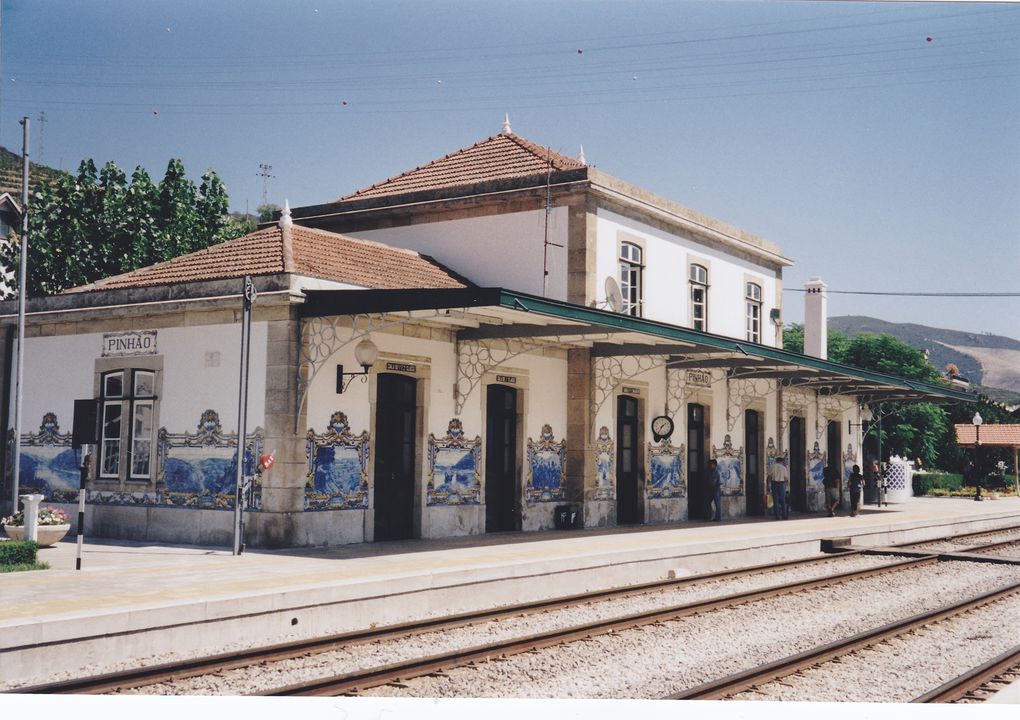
[10, 174]
[990, 361]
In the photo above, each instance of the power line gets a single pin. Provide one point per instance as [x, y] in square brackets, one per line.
[264, 174]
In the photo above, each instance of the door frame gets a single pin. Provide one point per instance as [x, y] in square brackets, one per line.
[520, 451]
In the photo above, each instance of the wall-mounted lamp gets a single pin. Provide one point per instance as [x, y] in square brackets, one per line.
[365, 354]
[866, 417]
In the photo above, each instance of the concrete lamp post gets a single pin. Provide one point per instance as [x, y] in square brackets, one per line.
[977, 444]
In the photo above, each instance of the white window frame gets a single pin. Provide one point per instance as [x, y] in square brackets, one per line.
[632, 278]
[752, 312]
[126, 450]
[697, 277]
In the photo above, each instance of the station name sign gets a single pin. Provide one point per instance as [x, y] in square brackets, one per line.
[508, 379]
[129, 342]
[699, 377]
[401, 367]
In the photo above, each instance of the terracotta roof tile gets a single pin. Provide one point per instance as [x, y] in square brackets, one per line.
[316, 253]
[1001, 435]
[499, 157]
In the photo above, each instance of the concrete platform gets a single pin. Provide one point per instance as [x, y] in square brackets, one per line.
[132, 601]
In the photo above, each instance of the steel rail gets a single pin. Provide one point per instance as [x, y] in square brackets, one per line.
[768, 672]
[964, 685]
[168, 672]
[352, 683]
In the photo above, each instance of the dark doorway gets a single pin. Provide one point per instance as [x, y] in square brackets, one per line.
[628, 486]
[798, 471]
[834, 451]
[501, 459]
[395, 433]
[752, 445]
[699, 498]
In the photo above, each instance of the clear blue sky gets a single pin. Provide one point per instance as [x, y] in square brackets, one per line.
[874, 157]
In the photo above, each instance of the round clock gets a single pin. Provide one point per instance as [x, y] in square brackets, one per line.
[662, 427]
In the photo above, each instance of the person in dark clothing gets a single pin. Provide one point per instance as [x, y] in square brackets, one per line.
[856, 483]
[832, 483]
[715, 484]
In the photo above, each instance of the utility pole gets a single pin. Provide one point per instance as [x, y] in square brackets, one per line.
[264, 174]
[19, 391]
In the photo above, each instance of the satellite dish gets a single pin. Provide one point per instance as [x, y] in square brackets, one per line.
[614, 298]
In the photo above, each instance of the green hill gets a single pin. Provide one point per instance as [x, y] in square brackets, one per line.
[990, 362]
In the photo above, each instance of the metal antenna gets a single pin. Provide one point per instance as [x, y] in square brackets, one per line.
[42, 130]
[265, 181]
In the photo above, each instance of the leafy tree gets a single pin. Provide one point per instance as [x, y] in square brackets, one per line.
[267, 211]
[96, 223]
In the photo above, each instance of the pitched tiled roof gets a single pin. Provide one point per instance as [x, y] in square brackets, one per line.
[1000, 435]
[312, 252]
[499, 157]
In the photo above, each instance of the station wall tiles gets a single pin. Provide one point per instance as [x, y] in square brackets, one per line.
[666, 470]
[730, 462]
[546, 459]
[849, 460]
[48, 464]
[815, 462]
[605, 462]
[337, 467]
[199, 470]
[454, 468]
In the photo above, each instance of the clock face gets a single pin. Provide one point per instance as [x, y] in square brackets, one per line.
[662, 426]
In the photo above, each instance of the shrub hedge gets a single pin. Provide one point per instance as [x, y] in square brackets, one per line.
[17, 552]
[925, 483]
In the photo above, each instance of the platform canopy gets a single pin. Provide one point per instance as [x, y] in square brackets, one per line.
[496, 314]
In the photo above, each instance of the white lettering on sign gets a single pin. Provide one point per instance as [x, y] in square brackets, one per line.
[401, 367]
[130, 342]
[508, 379]
[699, 377]
[631, 390]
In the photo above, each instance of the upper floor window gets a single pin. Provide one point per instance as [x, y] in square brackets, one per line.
[752, 304]
[630, 278]
[699, 297]
[127, 407]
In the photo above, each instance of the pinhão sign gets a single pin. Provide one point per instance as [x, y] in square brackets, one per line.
[129, 342]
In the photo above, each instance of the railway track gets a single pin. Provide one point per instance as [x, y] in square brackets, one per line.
[755, 678]
[114, 682]
[980, 683]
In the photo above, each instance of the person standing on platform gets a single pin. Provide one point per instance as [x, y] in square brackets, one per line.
[856, 483]
[780, 481]
[832, 483]
[715, 483]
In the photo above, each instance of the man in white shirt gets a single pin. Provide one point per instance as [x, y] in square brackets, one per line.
[779, 479]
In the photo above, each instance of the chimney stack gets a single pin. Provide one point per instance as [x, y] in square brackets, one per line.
[816, 329]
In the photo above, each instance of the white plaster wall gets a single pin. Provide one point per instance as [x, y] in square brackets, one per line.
[499, 250]
[666, 293]
[60, 369]
[190, 386]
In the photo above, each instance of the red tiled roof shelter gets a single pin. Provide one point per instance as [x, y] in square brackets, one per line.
[501, 157]
[299, 250]
[991, 435]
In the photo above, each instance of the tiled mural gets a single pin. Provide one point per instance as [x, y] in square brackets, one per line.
[816, 461]
[730, 462]
[454, 472]
[666, 470]
[546, 459]
[48, 465]
[337, 467]
[605, 462]
[195, 470]
[849, 460]
[199, 470]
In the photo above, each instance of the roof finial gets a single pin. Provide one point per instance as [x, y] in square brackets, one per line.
[506, 125]
[285, 220]
[580, 157]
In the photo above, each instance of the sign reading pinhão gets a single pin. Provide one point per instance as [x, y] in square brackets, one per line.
[129, 342]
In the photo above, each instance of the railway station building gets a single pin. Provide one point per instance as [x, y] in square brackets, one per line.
[503, 339]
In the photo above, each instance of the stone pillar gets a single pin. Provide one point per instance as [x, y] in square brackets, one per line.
[283, 486]
[580, 470]
[31, 503]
